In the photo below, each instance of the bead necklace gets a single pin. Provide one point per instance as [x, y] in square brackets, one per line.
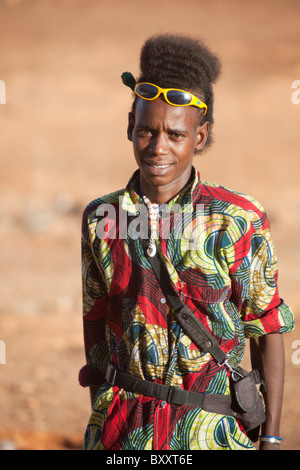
[153, 210]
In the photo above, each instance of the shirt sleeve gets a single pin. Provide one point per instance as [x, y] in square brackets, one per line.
[95, 304]
[255, 283]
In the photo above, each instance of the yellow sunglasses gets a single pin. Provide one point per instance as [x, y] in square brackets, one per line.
[173, 96]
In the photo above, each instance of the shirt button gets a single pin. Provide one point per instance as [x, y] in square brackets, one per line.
[163, 300]
[163, 404]
[165, 351]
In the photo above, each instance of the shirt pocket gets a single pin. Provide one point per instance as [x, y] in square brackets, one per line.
[206, 294]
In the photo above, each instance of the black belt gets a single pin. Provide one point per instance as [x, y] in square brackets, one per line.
[215, 403]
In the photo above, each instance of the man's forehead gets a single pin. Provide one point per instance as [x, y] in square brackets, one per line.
[158, 110]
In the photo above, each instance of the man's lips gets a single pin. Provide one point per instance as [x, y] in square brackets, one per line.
[159, 166]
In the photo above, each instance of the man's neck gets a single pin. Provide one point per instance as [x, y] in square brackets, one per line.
[158, 196]
[162, 194]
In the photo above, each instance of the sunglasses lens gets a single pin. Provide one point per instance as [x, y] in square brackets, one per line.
[179, 97]
[147, 91]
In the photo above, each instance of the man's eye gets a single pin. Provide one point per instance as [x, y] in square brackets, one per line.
[176, 135]
[144, 132]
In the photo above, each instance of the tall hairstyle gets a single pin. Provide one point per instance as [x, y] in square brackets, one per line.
[181, 61]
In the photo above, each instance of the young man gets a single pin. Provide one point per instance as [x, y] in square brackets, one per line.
[216, 246]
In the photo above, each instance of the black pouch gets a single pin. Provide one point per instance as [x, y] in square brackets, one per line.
[248, 401]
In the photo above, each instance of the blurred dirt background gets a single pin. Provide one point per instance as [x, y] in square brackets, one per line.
[63, 143]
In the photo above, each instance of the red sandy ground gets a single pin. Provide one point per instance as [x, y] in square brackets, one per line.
[63, 143]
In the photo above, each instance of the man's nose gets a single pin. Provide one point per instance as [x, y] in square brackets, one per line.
[158, 145]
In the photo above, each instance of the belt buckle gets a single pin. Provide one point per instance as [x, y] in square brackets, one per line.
[174, 396]
[111, 373]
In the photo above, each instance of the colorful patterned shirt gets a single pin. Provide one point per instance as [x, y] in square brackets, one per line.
[217, 247]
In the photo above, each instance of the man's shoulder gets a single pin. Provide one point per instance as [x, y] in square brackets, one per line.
[98, 207]
[112, 198]
[230, 199]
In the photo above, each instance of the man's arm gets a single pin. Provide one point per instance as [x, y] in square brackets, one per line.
[95, 303]
[267, 355]
[93, 392]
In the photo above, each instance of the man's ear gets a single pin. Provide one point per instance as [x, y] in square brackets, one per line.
[201, 136]
[130, 125]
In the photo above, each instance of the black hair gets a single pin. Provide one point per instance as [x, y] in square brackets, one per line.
[180, 61]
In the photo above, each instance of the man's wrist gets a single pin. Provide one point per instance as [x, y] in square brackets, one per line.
[269, 442]
[271, 439]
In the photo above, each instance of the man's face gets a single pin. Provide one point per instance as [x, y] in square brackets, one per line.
[165, 139]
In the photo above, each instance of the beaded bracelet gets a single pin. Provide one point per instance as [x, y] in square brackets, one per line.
[271, 439]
